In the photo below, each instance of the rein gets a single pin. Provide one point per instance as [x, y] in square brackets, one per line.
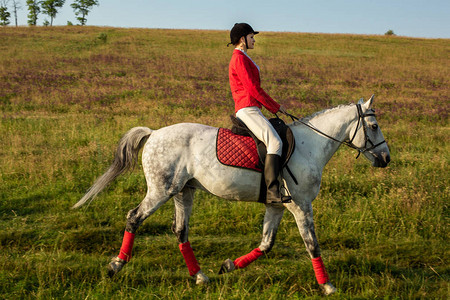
[361, 119]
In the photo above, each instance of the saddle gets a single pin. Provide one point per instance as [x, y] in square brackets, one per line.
[280, 127]
[238, 147]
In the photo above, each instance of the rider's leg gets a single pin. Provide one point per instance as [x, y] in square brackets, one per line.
[272, 168]
[258, 124]
[264, 131]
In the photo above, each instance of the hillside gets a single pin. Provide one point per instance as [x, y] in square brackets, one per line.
[67, 95]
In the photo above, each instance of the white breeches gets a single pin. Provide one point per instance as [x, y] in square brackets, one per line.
[261, 128]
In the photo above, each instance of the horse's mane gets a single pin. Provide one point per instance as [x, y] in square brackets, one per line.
[324, 111]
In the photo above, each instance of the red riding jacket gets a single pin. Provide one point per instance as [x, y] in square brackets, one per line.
[245, 84]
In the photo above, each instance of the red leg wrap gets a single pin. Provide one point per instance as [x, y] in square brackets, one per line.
[245, 260]
[189, 257]
[319, 269]
[127, 246]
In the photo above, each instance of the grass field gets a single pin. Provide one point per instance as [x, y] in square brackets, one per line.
[67, 94]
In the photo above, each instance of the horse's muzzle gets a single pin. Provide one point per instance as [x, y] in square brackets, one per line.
[383, 160]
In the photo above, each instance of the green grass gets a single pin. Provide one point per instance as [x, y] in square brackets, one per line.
[67, 94]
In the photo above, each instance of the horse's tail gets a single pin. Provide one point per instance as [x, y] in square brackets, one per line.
[125, 158]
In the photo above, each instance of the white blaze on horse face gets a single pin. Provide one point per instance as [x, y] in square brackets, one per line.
[379, 156]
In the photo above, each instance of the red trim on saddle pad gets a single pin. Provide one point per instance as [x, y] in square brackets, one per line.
[237, 150]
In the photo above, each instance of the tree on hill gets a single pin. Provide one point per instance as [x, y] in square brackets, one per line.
[82, 9]
[34, 10]
[50, 8]
[4, 13]
[16, 6]
[390, 32]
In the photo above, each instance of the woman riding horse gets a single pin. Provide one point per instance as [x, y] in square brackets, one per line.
[249, 97]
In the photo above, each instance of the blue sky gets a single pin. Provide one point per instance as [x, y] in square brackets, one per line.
[414, 18]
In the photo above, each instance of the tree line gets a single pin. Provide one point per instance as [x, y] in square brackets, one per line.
[50, 8]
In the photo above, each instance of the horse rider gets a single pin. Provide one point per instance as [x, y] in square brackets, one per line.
[249, 98]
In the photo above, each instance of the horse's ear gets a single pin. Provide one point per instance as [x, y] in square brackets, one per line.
[369, 102]
[361, 101]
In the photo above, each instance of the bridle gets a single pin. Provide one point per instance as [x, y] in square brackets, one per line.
[361, 119]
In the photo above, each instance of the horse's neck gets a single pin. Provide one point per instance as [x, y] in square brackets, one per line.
[335, 123]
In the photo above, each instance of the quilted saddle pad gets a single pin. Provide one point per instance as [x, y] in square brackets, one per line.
[237, 150]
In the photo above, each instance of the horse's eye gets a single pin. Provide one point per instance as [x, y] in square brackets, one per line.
[374, 126]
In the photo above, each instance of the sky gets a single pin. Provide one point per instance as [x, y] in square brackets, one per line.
[412, 18]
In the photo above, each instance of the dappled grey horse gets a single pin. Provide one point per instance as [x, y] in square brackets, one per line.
[181, 158]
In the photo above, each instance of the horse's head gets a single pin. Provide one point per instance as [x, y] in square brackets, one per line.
[367, 137]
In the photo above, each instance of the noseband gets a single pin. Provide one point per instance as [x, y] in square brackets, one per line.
[361, 119]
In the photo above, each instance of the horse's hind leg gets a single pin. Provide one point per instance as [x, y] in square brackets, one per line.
[183, 208]
[272, 219]
[135, 218]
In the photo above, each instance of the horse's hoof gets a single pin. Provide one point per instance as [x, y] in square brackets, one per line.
[328, 288]
[201, 278]
[115, 266]
[227, 266]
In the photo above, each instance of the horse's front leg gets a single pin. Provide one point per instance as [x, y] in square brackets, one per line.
[304, 218]
[272, 220]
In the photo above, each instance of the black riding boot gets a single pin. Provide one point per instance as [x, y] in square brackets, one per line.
[272, 168]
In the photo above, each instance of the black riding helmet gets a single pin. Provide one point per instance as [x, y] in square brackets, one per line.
[240, 30]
